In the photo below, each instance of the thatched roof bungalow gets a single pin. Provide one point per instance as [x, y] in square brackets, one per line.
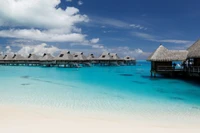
[115, 56]
[47, 57]
[64, 56]
[163, 58]
[79, 56]
[128, 58]
[105, 56]
[18, 57]
[8, 57]
[32, 57]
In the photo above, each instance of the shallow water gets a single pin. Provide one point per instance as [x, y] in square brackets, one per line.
[126, 90]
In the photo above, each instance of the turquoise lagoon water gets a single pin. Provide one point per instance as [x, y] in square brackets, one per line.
[126, 91]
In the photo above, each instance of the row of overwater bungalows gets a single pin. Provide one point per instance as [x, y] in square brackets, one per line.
[66, 59]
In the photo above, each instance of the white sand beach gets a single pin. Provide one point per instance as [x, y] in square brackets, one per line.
[17, 119]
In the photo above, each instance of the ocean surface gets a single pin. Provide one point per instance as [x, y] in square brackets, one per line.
[126, 91]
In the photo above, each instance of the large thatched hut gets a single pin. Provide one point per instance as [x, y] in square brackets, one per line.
[162, 58]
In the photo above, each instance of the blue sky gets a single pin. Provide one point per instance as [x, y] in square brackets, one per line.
[129, 27]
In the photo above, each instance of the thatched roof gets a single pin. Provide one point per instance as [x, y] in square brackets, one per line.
[18, 57]
[47, 57]
[163, 54]
[32, 57]
[128, 58]
[105, 56]
[64, 55]
[8, 57]
[194, 50]
[79, 56]
[91, 57]
[115, 56]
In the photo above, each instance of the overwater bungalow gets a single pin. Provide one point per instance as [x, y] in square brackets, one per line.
[129, 60]
[81, 59]
[66, 59]
[8, 59]
[47, 60]
[105, 59]
[32, 59]
[162, 61]
[116, 60]
[18, 59]
[91, 58]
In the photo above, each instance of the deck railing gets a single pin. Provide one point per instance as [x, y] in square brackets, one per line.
[168, 68]
[194, 69]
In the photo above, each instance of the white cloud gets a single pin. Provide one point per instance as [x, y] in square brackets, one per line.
[95, 40]
[39, 49]
[8, 50]
[116, 23]
[126, 51]
[45, 36]
[135, 26]
[39, 14]
[154, 39]
[80, 2]
[42, 21]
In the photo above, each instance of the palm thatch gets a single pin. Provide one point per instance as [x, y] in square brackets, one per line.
[64, 56]
[32, 57]
[194, 50]
[8, 57]
[79, 56]
[18, 57]
[115, 56]
[47, 57]
[105, 56]
[128, 58]
[163, 54]
[91, 57]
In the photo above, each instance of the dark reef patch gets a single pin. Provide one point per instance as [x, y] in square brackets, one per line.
[177, 98]
[25, 84]
[198, 108]
[50, 82]
[126, 75]
[25, 77]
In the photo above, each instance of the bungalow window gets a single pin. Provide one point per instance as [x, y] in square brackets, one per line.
[14, 56]
[103, 56]
[128, 58]
[5, 56]
[76, 56]
[61, 55]
[29, 56]
[44, 55]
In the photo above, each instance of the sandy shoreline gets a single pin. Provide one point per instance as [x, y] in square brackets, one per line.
[17, 119]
